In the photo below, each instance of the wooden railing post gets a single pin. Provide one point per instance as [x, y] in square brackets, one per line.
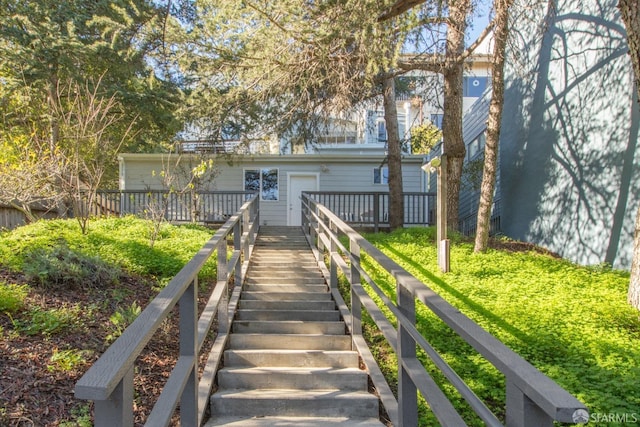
[333, 252]
[237, 246]
[223, 307]
[522, 411]
[407, 390]
[356, 304]
[188, 309]
[117, 411]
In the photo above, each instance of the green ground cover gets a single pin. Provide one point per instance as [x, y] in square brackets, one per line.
[571, 322]
[65, 296]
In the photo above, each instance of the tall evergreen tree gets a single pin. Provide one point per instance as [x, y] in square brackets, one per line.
[60, 58]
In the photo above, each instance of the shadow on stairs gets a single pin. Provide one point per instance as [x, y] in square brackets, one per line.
[289, 361]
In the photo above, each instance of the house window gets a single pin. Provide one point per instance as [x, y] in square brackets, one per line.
[381, 175]
[382, 130]
[476, 146]
[474, 86]
[436, 119]
[264, 181]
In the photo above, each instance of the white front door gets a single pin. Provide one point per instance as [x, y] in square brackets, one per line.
[299, 182]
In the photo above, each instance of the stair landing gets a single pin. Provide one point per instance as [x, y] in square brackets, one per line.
[289, 360]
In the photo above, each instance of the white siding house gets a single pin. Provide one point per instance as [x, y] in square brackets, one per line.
[283, 178]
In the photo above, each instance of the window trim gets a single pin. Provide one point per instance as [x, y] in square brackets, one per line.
[381, 175]
[261, 173]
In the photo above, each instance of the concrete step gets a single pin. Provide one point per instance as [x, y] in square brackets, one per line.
[289, 361]
[281, 263]
[287, 327]
[286, 296]
[291, 358]
[301, 315]
[296, 251]
[279, 402]
[292, 378]
[292, 422]
[284, 279]
[275, 244]
[290, 341]
[293, 272]
[317, 287]
[287, 305]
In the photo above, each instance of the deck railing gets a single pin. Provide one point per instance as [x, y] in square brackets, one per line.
[371, 209]
[109, 381]
[197, 206]
[532, 399]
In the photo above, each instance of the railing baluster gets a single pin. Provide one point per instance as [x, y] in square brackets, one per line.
[188, 308]
[223, 308]
[407, 390]
[356, 305]
[333, 251]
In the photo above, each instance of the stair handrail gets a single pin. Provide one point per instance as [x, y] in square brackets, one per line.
[532, 398]
[109, 381]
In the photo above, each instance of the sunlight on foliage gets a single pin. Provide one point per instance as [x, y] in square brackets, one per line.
[121, 242]
[12, 297]
[569, 321]
[66, 360]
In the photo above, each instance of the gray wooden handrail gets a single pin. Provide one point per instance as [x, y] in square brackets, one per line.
[532, 398]
[109, 381]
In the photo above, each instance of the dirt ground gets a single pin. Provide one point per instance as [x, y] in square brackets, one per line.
[34, 392]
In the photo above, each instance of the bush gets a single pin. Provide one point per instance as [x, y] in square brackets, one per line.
[12, 297]
[49, 322]
[60, 267]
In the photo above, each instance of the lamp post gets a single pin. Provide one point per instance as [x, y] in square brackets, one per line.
[439, 166]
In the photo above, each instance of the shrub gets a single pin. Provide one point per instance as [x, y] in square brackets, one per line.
[48, 322]
[12, 297]
[66, 360]
[60, 267]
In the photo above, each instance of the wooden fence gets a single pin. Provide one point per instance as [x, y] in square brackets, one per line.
[11, 217]
[202, 206]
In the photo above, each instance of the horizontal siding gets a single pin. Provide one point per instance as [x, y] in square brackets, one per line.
[338, 174]
[474, 124]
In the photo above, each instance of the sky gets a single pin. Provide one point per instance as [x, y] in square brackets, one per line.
[480, 21]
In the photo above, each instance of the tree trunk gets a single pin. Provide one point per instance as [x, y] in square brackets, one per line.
[487, 188]
[396, 202]
[454, 147]
[633, 296]
[630, 12]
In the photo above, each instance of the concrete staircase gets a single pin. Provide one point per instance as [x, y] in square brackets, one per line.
[289, 361]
